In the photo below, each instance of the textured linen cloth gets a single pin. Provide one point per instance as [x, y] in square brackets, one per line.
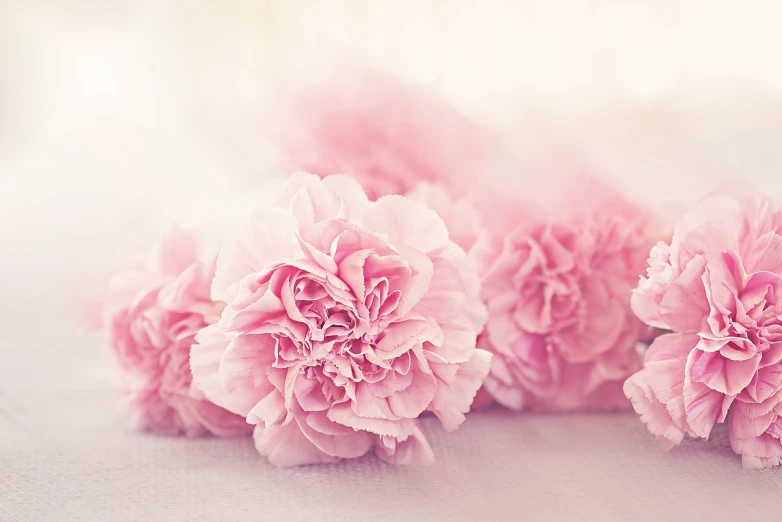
[497, 467]
[66, 454]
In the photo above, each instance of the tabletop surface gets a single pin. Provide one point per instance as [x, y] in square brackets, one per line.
[66, 454]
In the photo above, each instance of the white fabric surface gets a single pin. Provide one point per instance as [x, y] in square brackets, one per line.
[65, 454]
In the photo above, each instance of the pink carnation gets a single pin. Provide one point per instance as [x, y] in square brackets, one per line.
[152, 313]
[718, 287]
[345, 321]
[557, 286]
[388, 135]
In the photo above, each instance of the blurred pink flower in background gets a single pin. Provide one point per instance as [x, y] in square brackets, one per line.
[345, 320]
[556, 279]
[151, 312]
[387, 134]
[718, 286]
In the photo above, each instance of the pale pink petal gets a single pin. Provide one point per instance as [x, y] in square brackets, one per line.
[462, 219]
[309, 395]
[345, 444]
[293, 184]
[603, 324]
[646, 305]
[343, 414]
[371, 406]
[744, 425]
[219, 372]
[413, 450]
[410, 402]
[760, 452]
[721, 374]
[266, 239]
[646, 297]
[241, 317]
[684, 307]
[653, 413]
[703, 407]
[351, 271]
[722, 280]
[407, 223]
[452, 401]
[313, 203]
[458, 344]
[323, 260]
[508, 395]
[656, 391]
[502, 332]
[205, 354]
[401, 336]
[766, 255]
[713, 225]
[270, 410]
[286, 446]
[452, 291]
[766, 382]
[351, 193]
[417, 285]
[217, 421]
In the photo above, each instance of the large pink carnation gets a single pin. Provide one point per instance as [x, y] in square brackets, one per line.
[152, 312]
[718, 287]
[385, 133]
[557, 286]
[345, 321]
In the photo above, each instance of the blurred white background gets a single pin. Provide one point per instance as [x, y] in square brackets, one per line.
[115, 114]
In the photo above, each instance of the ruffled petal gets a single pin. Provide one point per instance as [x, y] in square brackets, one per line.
[760, 452]
[657, 390]
[267, 238]
[205, 354]
[653, 413]
[407, 223]
[452, 400]
[414, 450]
[342, 443]
[286, 446]
[684, 306]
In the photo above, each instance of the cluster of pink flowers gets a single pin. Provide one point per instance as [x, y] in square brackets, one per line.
[394, 280]
[152, 311]
[557, 281]
[717, 286]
